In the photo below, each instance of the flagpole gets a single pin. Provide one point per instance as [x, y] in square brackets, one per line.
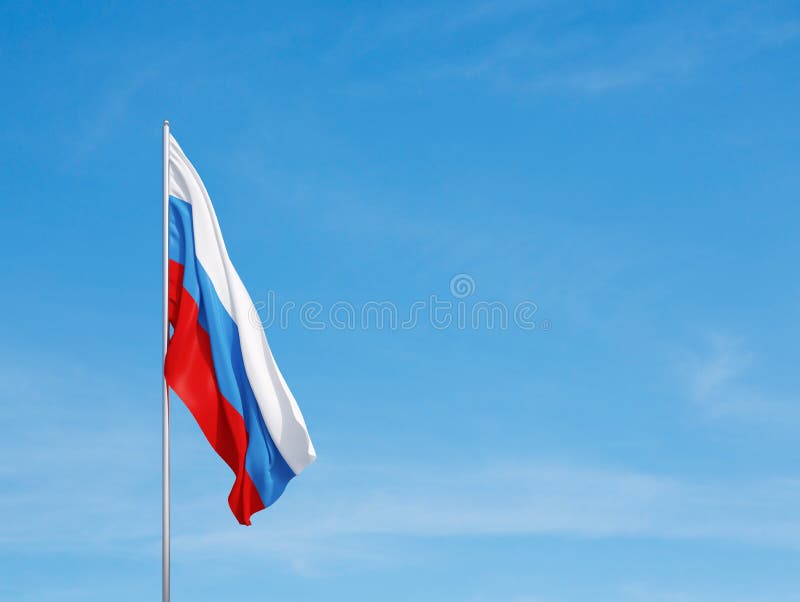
[164, 391]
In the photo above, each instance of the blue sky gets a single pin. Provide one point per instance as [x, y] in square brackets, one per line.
[630, 168]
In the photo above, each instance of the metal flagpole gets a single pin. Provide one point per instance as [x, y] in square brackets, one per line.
[164, 390]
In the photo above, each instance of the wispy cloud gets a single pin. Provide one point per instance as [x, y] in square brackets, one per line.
[638, 592]
[539, 46]
[519, 598]
[718, 382]
[115, 103]
[84, 485]
[519, 500]
[74, 468]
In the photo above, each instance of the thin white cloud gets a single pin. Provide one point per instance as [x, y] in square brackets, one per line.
[540, 46]
[92, 486]
[718, 382]
[527, 499]
[639, 592]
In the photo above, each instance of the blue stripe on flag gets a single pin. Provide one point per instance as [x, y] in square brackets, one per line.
[264, 463]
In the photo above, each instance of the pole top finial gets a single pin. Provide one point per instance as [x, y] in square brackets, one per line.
[166, 122]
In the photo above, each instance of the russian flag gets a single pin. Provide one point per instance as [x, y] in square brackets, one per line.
[218, 360]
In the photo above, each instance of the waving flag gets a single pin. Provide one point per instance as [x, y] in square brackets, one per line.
[218, 360]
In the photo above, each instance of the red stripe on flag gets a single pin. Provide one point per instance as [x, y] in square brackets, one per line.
[189, 370]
